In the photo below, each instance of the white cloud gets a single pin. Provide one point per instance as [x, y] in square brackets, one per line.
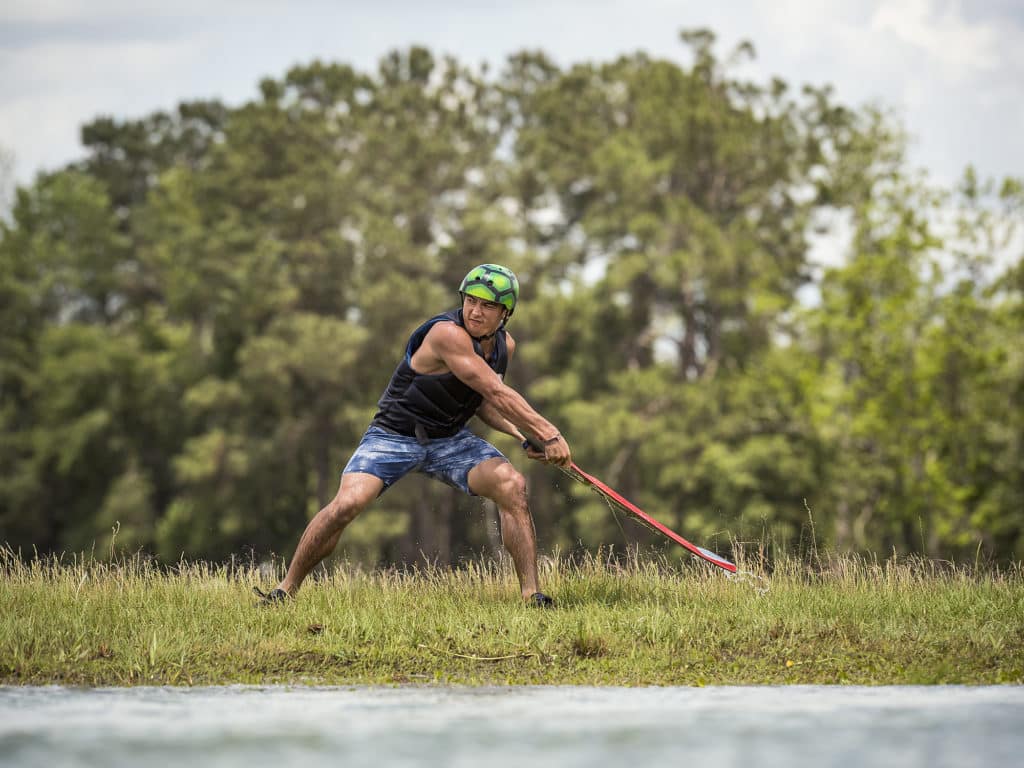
[55, 88]
[60, 11]
[953, 74]
[962, 49]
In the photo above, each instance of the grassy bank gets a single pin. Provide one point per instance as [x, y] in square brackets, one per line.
[85, 622]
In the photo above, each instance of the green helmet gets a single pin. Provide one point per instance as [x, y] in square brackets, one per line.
[492, 282]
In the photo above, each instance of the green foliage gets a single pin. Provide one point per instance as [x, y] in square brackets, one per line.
[199, 317]
[914, 363]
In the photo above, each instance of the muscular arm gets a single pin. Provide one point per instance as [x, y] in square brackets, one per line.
[449, 347]
[490, 416]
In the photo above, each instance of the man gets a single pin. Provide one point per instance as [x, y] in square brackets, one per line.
[452, 370]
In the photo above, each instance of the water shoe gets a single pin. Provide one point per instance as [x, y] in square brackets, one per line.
[277, 595]
[540, 600]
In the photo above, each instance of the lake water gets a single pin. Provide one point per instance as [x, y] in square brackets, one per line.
[754, 727]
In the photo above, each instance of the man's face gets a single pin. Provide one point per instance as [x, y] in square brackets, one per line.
[482, 317]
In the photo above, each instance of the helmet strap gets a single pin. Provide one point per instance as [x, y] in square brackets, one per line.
[493, 333]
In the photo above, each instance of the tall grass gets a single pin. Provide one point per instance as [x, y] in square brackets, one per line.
[631, 621]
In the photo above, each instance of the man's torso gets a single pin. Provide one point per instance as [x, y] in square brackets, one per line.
[424, 398]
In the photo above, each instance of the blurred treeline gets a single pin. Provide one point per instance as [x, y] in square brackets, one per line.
[199, 316]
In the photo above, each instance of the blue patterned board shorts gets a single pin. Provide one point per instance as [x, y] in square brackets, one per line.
[391, 456]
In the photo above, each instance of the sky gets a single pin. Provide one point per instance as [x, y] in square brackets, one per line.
[952, 72]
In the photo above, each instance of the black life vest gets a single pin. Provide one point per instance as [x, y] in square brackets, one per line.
[438, 405]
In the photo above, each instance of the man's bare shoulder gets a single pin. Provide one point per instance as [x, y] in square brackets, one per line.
[444, 340]
[447, 334]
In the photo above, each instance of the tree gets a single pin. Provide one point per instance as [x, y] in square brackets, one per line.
[200, 315]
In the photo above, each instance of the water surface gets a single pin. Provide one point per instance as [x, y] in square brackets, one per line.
[516, 726]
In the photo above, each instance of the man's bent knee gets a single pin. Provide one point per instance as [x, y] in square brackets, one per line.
[501, 483]
[355, 494]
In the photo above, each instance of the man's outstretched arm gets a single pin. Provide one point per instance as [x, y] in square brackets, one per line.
[489, 415]
[452, 345]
